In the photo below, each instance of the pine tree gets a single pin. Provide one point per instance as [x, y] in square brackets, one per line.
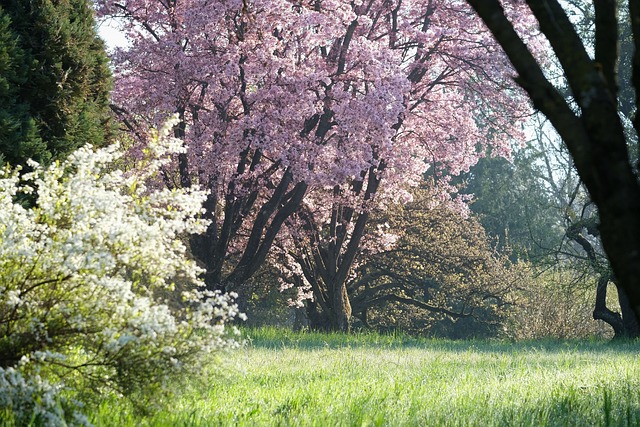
[54, 80]
[19, 137]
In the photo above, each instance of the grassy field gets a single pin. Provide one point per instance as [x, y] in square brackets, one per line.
[286, 379]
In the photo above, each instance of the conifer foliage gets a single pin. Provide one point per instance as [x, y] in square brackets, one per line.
[54, 80]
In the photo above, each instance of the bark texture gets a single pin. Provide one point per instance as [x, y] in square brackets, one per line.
[594, 135]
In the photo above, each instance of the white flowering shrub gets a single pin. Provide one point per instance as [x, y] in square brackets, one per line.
[83, 277]
[32, 400]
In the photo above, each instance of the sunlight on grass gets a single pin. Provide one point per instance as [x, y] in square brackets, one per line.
[288, 379]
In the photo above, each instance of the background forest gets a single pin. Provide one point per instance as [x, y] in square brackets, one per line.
[332, 166]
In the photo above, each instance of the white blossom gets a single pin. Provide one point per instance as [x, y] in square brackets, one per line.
[90, 264]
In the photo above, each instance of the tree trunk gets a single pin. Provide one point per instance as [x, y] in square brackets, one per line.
[338, 316]
[624, 324]
[595, 137]
[602, 312]
[629, 319]
[318, 319]
[341, 316]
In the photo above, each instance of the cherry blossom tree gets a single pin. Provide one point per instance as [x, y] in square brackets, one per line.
[282, 102]
[456, 108]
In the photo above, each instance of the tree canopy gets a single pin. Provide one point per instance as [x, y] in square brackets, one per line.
[311, 113]
[55, 80]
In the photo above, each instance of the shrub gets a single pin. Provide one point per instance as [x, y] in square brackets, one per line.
[86, 275]
[557, 303]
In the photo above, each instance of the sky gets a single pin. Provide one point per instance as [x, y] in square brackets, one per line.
[112, 36]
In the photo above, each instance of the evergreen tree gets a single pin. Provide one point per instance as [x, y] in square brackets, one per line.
[514, 206]
[54, 80]
[19, 137]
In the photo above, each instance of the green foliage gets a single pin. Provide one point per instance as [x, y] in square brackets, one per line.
[19, 138]
[514, 206]
[441, 277]
[54, 80]
[290, 379]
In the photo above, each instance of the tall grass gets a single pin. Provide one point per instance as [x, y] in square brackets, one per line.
[283, 378]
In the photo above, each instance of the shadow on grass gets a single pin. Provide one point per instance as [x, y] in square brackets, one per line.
[276, 338]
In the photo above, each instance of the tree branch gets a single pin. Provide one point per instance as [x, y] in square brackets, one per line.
[607, 48]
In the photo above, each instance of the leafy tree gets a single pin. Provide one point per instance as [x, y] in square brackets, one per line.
[87, 275]
[442, 276]
[592, 129]
[420, 267]
[19, 137]
[55, 83]
[514, 206]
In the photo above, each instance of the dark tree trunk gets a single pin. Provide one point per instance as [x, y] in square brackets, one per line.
[629, 319]
[341, 316]
[337, 318]
[602, 312]
[318, 319]
[594, 136]
[624, 324]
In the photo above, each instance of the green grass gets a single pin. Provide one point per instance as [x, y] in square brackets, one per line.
[286, 379]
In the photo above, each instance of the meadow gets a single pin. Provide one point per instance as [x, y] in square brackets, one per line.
[282, 378]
